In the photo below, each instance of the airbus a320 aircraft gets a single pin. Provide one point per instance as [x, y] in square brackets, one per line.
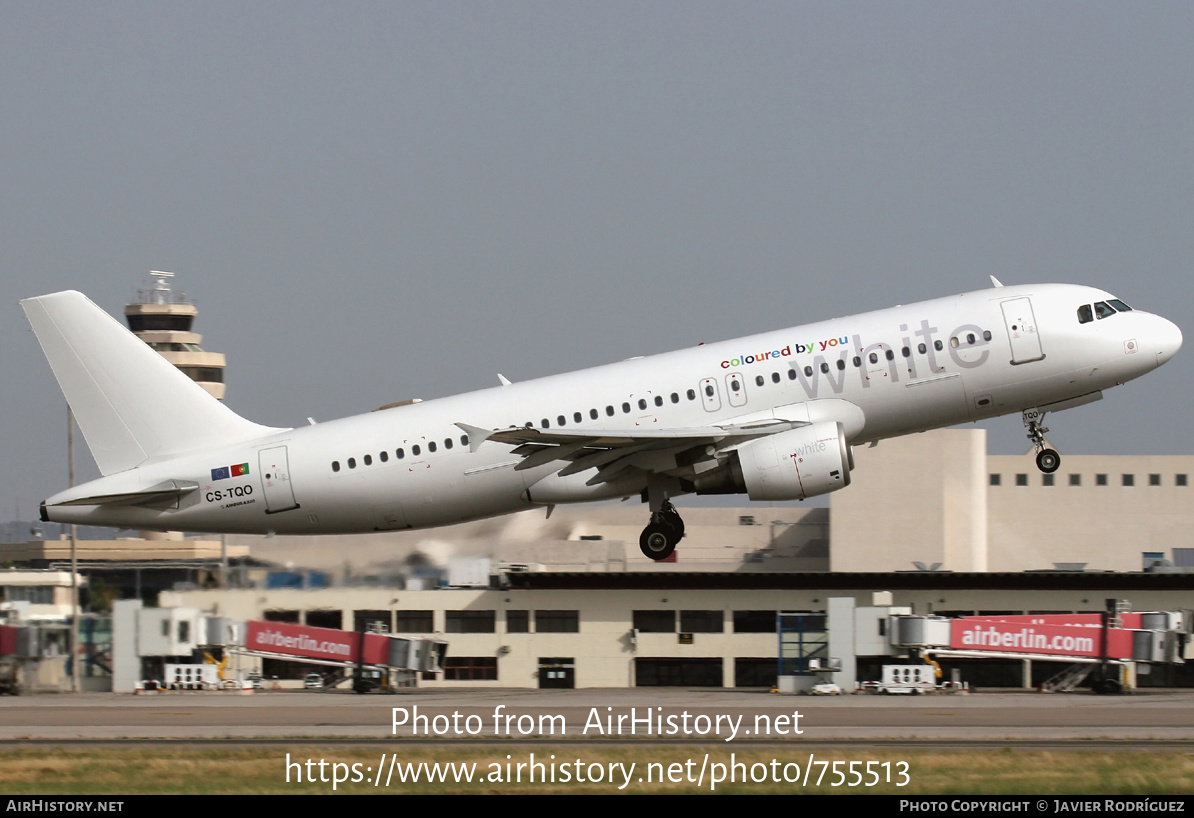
[773, 416]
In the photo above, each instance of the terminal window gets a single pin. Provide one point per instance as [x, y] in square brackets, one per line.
[1154, 479]
[413, 622]
[1075, 479]
[1179, 480]
[701, 622]
[655, 621]
[1129, 479]
[470, 668]
[470, 621]
[517, 622]
[1021, 479]
[557, 622]
[754, 622]
[1100, 479]
[996, 479]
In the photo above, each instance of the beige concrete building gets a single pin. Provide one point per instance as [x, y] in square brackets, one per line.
[938, 499]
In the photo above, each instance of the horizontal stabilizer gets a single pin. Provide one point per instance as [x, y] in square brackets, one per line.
[170, 490]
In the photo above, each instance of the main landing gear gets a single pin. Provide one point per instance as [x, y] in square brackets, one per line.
[661, 536]
[1047, 460]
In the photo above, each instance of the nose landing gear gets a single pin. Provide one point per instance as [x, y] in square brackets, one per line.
[1047, 460]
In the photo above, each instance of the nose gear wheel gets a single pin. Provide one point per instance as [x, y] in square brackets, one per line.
[1047, 460]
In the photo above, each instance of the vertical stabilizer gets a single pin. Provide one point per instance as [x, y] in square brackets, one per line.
[130, 402]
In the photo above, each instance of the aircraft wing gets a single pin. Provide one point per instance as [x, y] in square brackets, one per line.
[662, 451]
[611, 452]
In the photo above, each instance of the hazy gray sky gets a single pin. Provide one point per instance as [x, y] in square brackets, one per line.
[375, 201]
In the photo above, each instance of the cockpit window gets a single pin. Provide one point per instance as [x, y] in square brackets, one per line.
[1085, 314]
[1119, 305]
[1103, 309]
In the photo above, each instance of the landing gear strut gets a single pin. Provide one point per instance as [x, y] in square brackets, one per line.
[1047, 460]
[661, 536]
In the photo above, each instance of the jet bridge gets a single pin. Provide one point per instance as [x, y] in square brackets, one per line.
[1113, 639]
[365, 654]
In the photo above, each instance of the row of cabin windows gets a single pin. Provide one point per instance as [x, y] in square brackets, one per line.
[1100, 480]
[399, 453]
[561, 420]
[970, 339]
[610, 411]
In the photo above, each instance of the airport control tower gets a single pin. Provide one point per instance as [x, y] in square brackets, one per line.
[162, 319]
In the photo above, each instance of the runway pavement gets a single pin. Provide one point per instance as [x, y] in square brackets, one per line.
[645, 713]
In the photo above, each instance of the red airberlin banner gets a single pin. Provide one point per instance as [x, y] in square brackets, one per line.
[316, 643]
[975, 633]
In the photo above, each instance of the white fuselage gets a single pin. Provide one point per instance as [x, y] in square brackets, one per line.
[907, 369]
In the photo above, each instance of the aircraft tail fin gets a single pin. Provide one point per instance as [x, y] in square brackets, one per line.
[131, 403]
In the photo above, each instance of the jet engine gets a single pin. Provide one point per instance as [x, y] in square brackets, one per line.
[791, 465]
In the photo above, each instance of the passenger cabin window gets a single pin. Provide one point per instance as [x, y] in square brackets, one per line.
[659, 400]
[399, 453]
[758, 381]
[335, 465]
[431, 446]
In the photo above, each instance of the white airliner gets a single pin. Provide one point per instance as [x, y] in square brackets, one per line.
[772, 416]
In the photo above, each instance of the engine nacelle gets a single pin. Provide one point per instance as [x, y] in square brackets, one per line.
[796, 464]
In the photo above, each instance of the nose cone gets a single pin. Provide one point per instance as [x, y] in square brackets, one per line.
[1167, 340]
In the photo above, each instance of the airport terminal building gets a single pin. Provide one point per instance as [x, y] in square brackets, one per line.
[930, 525]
